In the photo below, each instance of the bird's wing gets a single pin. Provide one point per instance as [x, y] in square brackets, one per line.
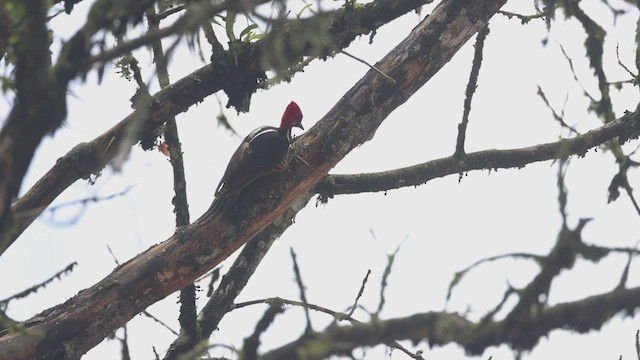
[234, 164]
[249, 161]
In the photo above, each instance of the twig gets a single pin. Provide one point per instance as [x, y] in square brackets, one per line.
[251, 343]
[188, 310]
[186, 22]
[559, 118]
[392, 80]
[562, 190]
[215, 275]
[35, 288]
[635, 76]
[336, 314]
[625, 272]
[124, 342]
[165, 14]
[91, 199]
[148, 314]
[385, 276]
[526, 18]
[634, 202]
[489, 316]
[573, 71]
[457, 277]
[303, 296]
[355, 303]
[471, 89]
[115, 259]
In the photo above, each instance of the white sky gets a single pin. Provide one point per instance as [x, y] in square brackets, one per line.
[447, 225]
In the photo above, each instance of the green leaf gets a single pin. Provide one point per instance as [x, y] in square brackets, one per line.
[254, 37]
[247, 31]
[302, 10]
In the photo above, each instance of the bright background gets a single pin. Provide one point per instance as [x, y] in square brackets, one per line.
[441, 227]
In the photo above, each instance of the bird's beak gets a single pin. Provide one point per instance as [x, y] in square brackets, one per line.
[300, 126]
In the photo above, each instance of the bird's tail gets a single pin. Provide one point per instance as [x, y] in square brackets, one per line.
[222, 204]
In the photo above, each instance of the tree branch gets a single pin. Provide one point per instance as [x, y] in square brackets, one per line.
[227, 70]
[69, 330]
[236, 279]
[624, 128]
[188, 309]
[40, 105]
[196, 14]
[37, 109]
[471, 89]
[441, 328]
[103, 15]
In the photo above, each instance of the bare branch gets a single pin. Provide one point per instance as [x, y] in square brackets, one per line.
[622, 65]
[575, 76]
[165, 14]
[594, 45]
[124, 342]
[360, 292]
[459, 275]
[471, 89]
[188, 310]
[50, 214]
[188, 22]
[625, 273]
[301, 287]
[321, 354]
[524, 19]
[624, 128]
[251, 343]
[441, 328]
[559, 118]
[370, 66]
[384, 281]
[162, 323]
[33, 289]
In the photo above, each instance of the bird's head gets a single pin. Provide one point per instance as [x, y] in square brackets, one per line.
[292, 117]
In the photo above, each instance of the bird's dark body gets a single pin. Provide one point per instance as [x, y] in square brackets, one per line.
[260, 152]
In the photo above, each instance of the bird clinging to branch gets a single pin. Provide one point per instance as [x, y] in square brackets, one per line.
[260, 152]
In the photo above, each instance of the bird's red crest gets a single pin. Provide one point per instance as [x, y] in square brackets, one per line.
[292, 116]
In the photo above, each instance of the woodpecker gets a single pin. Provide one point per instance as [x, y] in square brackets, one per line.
[260, 152]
